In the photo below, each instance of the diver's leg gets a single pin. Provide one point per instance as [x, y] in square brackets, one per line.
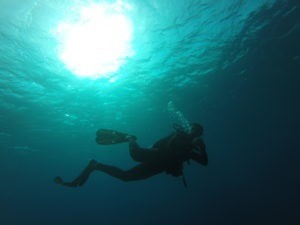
[82, 178]
[142, 154]
[134, 150]
[139, 172]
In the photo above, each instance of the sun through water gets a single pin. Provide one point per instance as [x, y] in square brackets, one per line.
[98, 41]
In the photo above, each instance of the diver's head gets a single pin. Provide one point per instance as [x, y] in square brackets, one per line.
[196, 130]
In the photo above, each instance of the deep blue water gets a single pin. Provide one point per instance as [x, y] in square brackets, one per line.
[233, 66]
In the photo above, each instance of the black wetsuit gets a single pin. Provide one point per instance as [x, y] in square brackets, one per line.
[166, 155]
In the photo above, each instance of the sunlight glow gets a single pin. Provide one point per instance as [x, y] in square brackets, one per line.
[98, 42]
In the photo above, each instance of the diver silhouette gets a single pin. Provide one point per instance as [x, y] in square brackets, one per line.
[166, 155]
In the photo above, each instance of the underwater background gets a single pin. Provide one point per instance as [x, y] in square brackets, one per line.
[231, 65]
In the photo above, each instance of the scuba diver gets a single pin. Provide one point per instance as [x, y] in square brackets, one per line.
[166, 155]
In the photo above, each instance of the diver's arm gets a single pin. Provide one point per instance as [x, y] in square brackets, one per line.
[199, 154]
[200, 158]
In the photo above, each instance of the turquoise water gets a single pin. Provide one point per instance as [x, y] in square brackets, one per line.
[231, 65]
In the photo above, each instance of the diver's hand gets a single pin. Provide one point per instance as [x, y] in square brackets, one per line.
[198, 144]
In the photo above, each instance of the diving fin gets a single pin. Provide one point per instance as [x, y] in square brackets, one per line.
[110, 137]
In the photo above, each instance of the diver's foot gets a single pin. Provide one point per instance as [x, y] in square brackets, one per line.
[133, 145]
[82, 178]
[131, 138]
[59, 180]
